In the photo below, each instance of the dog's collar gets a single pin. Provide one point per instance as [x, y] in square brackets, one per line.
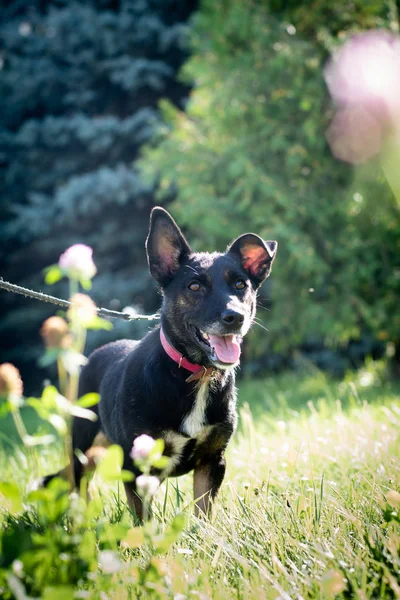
[198, 371]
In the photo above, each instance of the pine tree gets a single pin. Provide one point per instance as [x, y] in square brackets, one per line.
[79, 88]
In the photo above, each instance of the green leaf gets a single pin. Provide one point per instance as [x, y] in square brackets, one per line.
[49, 357]
[111, 464]
[49, 396]
[114, 533]
[110, 468]
[95, 508]
[4, 408]
[88, 400]
[88, 547]
[98, 323]
[85, 283]
[173, 532]
[134, 538]
[127, 475]
[52, 502]
[59, 592]
[11, 493]
[160, 463]
[157, 449]
[52, 274]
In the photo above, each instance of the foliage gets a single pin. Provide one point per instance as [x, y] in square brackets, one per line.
[79, 87]
[309, 506]
[249, 153]
[57, 545]
[57, 542]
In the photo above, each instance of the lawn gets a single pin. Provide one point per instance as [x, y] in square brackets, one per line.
[303, 511]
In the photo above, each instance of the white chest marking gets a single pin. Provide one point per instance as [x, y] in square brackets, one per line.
[196, 419]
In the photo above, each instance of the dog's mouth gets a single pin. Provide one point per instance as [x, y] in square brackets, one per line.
[221, 348]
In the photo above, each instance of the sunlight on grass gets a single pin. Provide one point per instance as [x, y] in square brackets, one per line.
[302, 512]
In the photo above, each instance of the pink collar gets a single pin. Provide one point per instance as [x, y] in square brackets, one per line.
[198, 370]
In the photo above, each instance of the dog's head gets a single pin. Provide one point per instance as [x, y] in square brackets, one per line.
[209, 299]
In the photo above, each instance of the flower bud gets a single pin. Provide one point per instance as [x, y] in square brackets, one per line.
[82, 309]
[55, 333]
[142, 446]
[10, 381]
[147, 485]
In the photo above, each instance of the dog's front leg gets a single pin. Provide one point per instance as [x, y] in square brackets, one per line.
[207, 479]
[134, 500]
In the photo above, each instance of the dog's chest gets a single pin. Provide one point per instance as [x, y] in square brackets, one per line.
[196, 435]
[195, 421]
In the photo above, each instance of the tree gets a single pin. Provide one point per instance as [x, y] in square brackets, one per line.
[249, 153]
[79, 88]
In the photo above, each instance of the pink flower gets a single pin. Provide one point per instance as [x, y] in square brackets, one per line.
[365, 73]
[354, 135]
[147, 485]
[142, 446]
[77, 262]
[364, 81]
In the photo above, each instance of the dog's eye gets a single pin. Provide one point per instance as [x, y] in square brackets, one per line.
[194, 286]
[240, 284]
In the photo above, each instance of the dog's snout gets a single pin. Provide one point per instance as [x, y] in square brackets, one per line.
[233, 318]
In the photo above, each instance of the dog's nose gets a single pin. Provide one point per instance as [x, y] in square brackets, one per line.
[233, 318]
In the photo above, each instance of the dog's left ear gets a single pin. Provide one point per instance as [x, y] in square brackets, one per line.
[256, 255]
[166, 246]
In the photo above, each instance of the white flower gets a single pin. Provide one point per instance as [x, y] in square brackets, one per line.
[147, 485]
[18, 568]
[109, 562]
[142, 446]
[77, 262]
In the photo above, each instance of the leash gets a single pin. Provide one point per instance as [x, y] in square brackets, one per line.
[102, 312]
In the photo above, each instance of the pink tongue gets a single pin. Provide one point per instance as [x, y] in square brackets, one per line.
[226, 347]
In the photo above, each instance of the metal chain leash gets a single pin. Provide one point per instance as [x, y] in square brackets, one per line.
[102, 312]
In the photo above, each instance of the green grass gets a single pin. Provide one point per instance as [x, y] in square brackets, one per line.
[302, 512]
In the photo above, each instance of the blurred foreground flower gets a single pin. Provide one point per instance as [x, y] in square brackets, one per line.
[82, 309]
[77, 262]
[333, 583]
[147, 485]
[10, 381]
[393, 499]
[354, 135]
[364, 81]
[109, 562]
[142, 446]
[55, 333]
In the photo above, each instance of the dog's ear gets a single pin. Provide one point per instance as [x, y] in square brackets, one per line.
[256, 255]
[165, 245]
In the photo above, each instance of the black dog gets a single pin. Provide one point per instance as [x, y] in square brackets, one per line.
[178, 382]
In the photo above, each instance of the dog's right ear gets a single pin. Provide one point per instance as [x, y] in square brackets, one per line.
[166, 246]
